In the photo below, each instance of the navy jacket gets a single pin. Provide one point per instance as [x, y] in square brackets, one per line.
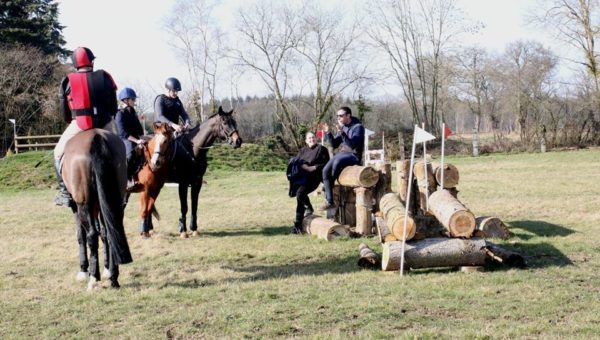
[128, 123]
[169, 110]
[351, 138]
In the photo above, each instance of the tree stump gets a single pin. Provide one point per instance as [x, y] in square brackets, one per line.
[492, 227]
[426, 184]
[454, 216]
[451, 175]
[364, 223]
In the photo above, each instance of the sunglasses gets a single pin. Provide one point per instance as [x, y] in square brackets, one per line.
[342, 115]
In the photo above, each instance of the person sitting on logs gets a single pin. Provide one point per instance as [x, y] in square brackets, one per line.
[131, 132]
[304, 173]
[351, 136]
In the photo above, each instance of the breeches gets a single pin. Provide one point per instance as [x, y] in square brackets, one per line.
[332, 171]
[70, 132]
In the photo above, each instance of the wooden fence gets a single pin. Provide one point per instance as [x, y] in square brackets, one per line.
[35, 142]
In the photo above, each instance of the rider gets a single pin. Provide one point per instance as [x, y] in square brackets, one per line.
[168, 108]
[87, 100]
[130, 131]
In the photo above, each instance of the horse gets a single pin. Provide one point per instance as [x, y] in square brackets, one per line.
[152, 176]
[189, 163]
[94, 172]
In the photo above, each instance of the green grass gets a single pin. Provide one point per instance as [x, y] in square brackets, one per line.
[246, 277]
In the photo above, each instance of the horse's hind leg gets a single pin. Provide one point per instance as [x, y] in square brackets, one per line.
[183, 188]
[92, 241]
[83, 258]
[193, 217]
[111, 271]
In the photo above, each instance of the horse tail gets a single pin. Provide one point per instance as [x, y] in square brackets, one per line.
[110, 199]
[155, 212]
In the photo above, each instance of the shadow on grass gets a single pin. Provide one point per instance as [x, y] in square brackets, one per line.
[269, 231]
[536, 255]
[278, 271]
[539, 228]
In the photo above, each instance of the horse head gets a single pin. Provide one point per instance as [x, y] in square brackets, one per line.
[159, 145]
[228, 128]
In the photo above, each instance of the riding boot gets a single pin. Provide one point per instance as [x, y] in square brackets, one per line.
[297, 229]
[63, 197]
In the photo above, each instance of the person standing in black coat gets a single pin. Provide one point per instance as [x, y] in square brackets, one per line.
[310, 162]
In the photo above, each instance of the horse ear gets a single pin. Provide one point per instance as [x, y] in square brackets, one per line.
[221, 112]
[156, 125]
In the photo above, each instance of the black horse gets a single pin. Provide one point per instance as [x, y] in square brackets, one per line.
[189, 161]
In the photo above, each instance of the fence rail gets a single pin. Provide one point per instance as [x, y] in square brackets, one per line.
[32, 142]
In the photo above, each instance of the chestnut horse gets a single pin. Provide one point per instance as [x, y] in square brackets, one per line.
[153, 174]
[189, 162]
[94, 171]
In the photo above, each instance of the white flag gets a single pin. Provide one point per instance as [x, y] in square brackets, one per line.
[422, 135]
[12, 120]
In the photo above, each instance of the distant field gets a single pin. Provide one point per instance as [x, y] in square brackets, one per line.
[246, 277]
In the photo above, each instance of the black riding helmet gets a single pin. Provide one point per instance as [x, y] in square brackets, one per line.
[173, 84]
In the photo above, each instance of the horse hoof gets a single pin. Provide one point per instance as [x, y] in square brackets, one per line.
[82, 276]
[115, 284]
[106, 273]
[195, 233]
[184, 235]
[92, 284]
[151, 232]
[145, 235]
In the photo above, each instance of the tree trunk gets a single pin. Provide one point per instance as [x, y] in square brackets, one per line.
[367, 257]
[393, 214]
[504, 256]
[491, 227]
[459, 221]
[384, 184]
[323, 228]
[450, 175]
[363, 204]
[433, 253]
[358, 176]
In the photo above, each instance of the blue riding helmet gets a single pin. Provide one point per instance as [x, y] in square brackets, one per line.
[127, 92]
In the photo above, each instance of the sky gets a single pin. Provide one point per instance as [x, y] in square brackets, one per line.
[129, 42]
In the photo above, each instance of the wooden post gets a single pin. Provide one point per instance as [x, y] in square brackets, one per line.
[425, 183]
[459, 221]
[401, 147]
[402, 172]
[364, 224]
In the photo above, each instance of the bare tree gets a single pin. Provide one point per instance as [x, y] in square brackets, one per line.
[197, 39]
[329, 48]
[415, 35]
[270, 33]
[577, 22]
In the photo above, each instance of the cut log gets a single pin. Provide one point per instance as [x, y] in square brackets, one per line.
[453, 215]
[433, 253]
[426, 184]
[323, 228]
[358, 176]
[382, 230]
[402, 171]
[450, 175]
[364, 223]
[368, 258]
[393, 214]
[492, 227]
[345, 200]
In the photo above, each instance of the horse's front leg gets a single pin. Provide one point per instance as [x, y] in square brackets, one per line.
[183, 188]
[83, 258]
[194, 213]
[145, 213]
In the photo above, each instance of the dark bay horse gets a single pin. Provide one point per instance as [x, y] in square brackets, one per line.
[153, 175]
[189, 162]
[95, 174]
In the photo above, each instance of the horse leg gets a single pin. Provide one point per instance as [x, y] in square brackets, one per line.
[92, 240]
[83, 258]
[183, 188]
[194, 213]
[145, 214]
[101, 229]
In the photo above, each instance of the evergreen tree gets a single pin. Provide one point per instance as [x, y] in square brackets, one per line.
[32, 23]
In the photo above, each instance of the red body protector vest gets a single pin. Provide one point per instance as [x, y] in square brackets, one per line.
[91, 98]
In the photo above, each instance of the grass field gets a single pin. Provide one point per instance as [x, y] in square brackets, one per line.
[246, 277]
